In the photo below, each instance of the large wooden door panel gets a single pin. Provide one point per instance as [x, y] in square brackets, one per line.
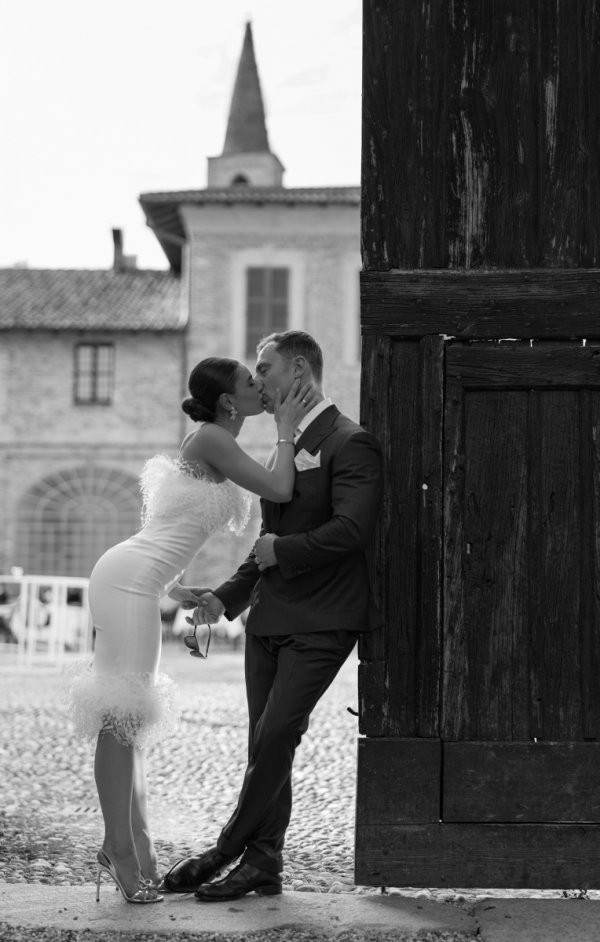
[522, 542]
[512, 782]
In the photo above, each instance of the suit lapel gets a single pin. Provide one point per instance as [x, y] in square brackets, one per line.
[310, 440]
[318, 430]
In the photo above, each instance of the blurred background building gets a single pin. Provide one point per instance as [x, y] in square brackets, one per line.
[94, 364]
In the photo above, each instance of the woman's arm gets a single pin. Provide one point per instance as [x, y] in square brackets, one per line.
[215, 446]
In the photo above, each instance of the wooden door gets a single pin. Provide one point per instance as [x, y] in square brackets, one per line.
[521, 624]
[479, 760]
[485, 696]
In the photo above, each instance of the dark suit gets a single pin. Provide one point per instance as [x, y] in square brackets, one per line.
[304, 617]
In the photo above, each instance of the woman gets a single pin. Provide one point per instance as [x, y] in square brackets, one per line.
[122, 700]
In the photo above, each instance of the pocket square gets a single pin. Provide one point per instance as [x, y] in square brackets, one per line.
[304, 461]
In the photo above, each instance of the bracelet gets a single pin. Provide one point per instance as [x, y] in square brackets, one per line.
[286, 441]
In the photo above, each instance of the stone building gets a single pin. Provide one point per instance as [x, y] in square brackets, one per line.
[94, 364]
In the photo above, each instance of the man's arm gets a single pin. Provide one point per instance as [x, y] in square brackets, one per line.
[356, 489]
[236, 592]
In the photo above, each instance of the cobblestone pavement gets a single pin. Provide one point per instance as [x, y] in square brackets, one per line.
[50, 826]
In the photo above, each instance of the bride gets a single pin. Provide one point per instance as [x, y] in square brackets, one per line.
[122, 700]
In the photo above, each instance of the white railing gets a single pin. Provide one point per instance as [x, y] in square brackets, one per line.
[44, 620]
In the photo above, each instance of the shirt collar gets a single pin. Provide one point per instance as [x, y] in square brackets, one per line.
[311, 416]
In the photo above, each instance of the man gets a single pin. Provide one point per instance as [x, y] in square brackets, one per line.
[307, 587]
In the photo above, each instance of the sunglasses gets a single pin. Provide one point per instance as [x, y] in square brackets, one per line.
[191, 642]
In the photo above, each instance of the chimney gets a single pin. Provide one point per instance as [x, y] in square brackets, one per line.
[122, 262]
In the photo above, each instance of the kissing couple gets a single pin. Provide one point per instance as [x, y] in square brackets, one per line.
[305, 585]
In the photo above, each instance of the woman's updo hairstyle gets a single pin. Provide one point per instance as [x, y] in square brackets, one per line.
[207, 381]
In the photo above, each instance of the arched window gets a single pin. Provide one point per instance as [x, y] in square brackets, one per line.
[240, 180]
[68, 519]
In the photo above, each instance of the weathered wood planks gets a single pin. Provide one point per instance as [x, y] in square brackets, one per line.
[540, 303]
[400, 667]
[399, 781]
[480, 134]
[560, 856]
[481, 234]
[521, 782]
[521, 632]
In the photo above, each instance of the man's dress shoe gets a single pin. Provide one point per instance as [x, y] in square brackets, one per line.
[241, 880]
[187, 874]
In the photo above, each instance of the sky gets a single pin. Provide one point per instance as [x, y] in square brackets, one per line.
[102, 101]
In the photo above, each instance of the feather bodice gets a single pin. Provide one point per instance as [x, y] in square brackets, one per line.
[171, 489]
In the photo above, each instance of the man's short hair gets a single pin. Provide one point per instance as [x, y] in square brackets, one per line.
[297, 343]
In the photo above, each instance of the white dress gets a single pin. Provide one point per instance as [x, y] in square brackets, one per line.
[122, 690]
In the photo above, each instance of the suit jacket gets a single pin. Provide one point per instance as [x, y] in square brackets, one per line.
[321, 581]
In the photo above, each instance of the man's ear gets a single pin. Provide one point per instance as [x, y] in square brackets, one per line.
[300, 366]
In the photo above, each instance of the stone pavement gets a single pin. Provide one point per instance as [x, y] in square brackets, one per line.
[324, 916]
[50, 829]
[49, 815]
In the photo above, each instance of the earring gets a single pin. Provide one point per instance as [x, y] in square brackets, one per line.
[233, 413]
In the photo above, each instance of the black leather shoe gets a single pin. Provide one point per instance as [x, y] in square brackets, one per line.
[187, 874]
[241, 880]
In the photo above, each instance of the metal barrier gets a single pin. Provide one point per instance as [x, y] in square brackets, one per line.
[44, 620]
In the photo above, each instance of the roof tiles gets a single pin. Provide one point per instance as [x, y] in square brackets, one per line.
[258, 194]
[59, 299]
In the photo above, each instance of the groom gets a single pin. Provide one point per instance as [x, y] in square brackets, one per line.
[307, 587]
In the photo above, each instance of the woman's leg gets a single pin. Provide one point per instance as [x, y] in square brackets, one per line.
[114, 773]
[139, 820]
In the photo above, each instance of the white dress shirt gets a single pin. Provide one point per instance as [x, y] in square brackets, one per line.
[311, 416]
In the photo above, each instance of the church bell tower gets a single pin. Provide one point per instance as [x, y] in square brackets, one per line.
[247, 159]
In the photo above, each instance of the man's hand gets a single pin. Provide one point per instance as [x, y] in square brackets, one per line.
[188, 595]
[209, 608]
[264, 552]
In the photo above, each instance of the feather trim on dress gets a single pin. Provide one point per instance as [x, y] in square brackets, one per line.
[170, 487]
[135, 708]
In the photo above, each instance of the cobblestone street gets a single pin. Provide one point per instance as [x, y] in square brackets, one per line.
[51, 823]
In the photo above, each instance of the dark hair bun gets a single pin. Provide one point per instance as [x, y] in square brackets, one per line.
[208, 379]
[196, 410]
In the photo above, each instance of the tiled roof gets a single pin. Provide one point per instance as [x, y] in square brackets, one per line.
[58, 299]
[162, 209]
[259, 194]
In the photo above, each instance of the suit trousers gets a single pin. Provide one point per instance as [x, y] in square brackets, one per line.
[286, 675]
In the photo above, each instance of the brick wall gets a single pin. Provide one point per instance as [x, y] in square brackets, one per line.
[43, 431]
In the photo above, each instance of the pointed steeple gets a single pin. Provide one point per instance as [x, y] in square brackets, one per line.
[246, 128]
[247, 159]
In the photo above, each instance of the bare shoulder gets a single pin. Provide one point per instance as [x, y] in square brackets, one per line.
[206, 437]
[203, 447]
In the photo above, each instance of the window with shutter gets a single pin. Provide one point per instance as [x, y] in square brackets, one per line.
[94, 373]
[267, 304]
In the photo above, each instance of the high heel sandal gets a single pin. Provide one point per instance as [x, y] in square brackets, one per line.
[146, 892]
[159, 887]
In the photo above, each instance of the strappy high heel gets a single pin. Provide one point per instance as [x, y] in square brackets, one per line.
[146, 892]
[159, 887]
